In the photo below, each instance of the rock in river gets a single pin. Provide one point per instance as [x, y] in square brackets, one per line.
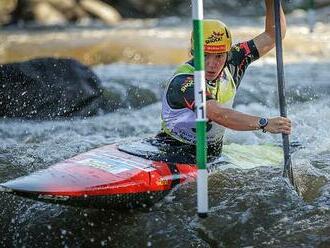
[49, 88]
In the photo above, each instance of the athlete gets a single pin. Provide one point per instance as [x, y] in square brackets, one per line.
[225, 66]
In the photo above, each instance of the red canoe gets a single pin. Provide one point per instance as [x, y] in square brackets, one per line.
[103, 177]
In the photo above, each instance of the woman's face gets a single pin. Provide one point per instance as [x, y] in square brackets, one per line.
[214, 63]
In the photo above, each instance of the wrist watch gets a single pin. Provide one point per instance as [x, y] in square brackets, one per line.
[263, 122]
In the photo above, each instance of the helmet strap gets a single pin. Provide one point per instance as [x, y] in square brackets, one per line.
[225, 64]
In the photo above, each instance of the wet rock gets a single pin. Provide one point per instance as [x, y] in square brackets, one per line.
[133, 97]
[137, 97]
[45, 14]
[70, 9]
[104, 12]
[62, 11]
[7, 7]
[49, 88]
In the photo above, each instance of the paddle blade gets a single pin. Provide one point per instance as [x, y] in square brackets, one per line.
[288, 172]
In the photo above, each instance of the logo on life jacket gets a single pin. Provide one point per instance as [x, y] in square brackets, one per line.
[186, 84]
[215, 37]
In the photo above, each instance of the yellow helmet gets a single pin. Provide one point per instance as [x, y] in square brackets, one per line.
[217, 37]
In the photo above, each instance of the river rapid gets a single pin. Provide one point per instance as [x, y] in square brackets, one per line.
[251, 205]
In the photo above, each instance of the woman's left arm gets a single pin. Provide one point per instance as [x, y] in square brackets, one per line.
[266, 40]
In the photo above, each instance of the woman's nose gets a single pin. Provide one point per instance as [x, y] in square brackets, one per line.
[211, 62]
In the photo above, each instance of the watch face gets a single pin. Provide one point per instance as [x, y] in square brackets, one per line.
[263, 122]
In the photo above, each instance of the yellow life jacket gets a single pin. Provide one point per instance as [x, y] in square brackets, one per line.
[180, 123]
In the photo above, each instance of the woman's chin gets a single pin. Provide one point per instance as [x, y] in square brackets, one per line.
[210, 78]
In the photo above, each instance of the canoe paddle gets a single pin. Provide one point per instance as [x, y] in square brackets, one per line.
[287, 171]
[200, 103]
